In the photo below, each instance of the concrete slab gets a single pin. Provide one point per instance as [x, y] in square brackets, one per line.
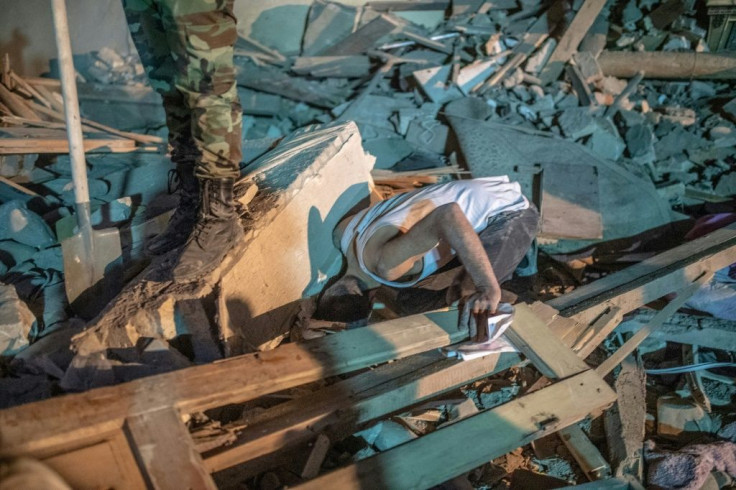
[312, 180]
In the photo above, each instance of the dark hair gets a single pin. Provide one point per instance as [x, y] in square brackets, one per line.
[346, 301]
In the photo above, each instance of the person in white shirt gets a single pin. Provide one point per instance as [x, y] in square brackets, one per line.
[460, 239]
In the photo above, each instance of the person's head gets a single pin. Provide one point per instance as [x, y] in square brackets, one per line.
[346, 301]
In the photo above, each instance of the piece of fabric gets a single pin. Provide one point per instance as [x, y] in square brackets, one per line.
[186, 48]
[496, 343]
[479, 200]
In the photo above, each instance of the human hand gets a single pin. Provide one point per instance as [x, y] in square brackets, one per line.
[481, 305]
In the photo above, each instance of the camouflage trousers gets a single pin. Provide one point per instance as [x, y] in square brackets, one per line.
[186, 47]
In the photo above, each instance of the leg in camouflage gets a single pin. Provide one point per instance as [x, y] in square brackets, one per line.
[201, 35]
[152, 42]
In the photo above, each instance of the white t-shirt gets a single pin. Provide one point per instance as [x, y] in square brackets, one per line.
[479, 199]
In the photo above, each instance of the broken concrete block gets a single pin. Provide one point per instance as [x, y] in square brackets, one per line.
[428, 134]
[355, 66]
[726, 185]
[640, 141]
[20, 224]
[16, 321]
[538, 60]
[730, 108]
[577, 122]
[606, 142]
[588, 66]
[631, 15]
[328, 23]
[475, 74]
[311, 180]
[387, 151]
[435, 85]
[677, 415]
[676, 43]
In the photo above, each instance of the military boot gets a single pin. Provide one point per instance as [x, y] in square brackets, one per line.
[182, 222]
[217, 230]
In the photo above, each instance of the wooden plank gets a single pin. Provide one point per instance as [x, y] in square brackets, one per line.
[625, 422]
[669, 65]
[406, 6]
[570, 41]
[366, 37]
[108, 464]
[165, 451]
[666, 13]
[630, 345]
[588, 457]
[16, 104]
[532, 39]
[535, 340]
[582, 90]
[650, 279]
[16, 141]
[571, 202]
[598, 331]
[460, 447]
[343, 408]
[45, 425]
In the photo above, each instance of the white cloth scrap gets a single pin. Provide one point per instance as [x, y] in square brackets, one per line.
[495, 344]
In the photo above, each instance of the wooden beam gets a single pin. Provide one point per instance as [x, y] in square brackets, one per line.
[625, 422]
[341, 409]
[536, 341]
[590, 460]
[18, 141]
[704, 331]
[165, 451]
[630, 345]
[650, 279]
[471, 442]
[46, 426]
[668, 65]
[570, 41]
[365, 37]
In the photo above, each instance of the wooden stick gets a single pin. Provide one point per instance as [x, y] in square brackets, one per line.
[669, 65]
[570, 41]
[16, 104]
[682, 296]
[18, 187]
[29, 88]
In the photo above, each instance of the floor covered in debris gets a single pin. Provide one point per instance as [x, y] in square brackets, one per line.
[618, 120]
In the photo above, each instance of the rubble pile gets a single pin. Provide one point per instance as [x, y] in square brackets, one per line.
[437, 90]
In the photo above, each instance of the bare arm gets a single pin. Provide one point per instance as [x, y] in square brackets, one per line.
[446, 223]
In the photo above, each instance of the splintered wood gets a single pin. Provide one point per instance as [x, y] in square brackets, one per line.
[37, 116]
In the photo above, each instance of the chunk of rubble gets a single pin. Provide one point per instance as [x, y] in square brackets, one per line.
[313, 179]
[16, 322]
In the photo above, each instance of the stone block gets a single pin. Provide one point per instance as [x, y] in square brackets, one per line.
[309, 182]
[577, 122]
[677, 415]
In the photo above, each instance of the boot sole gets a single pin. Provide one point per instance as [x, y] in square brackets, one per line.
[209, 268]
